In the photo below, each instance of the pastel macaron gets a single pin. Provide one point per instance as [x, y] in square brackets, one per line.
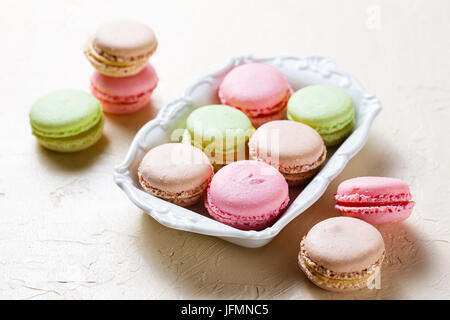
[247, 195]
[121, 48]
[327, 109]
[342, 254]
[126, 94]
[259, 90]
[221, 132]
[295, 149]
[176, 172]
[67, 120]
[376, 200]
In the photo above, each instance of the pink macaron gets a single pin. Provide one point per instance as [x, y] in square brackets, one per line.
[376, 200]
[247, 194]
[122, 95]
[258, 90]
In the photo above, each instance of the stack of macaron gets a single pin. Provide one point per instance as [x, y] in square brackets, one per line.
[124, 79]
[72, 120]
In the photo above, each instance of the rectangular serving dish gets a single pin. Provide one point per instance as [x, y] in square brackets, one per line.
[300, 72]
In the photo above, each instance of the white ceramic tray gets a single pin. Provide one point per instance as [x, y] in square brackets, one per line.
[299, 72]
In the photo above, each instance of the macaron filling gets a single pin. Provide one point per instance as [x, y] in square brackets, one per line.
[103, 57]
[381, 209]
[379, 199]
[113, 61]
[371, 204]
[259, 112]
[74, 130]
[74, 143]
[129, 99]
[333, 278]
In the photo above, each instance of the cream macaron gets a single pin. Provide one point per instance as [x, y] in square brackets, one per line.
[295, 149]
[342, 254]
[176, 172]
[121, 48]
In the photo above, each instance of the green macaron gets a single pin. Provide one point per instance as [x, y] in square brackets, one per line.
[67, 120]
[329, 110]
[220, 130]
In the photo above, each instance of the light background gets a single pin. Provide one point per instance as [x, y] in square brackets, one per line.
[67, 231]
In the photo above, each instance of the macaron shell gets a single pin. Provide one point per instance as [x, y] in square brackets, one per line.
[254, 86]
[379, 214]
[373, 190]
[175, 167]
[64, 113]
[75, 143]
[331, 244]
[125, 38]
[327, 109]
[247, 189]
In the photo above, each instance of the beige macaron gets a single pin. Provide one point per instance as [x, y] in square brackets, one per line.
[121, 48]
[342, 254]
[176, 172]
[294, 148]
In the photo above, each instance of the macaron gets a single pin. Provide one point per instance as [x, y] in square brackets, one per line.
[259, 90]
[342, 254]
[221, 132]
[247, 195]
[293, 148]
[176, 172]
[121, 48]
[376, 200]
[327, 109]
[126, 94]
[67, 120]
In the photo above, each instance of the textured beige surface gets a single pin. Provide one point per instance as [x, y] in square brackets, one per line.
[67, 231]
